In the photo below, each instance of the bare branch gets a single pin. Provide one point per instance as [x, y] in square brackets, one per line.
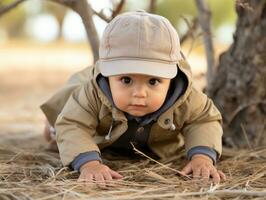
[192, 27]
[102, 16]
[114, 12]
[152, 7]
[70, 4]
[118, 8]
[204, 16]
[9, 7]
[83, 8]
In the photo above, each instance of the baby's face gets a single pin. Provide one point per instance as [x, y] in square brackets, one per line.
[138, 95]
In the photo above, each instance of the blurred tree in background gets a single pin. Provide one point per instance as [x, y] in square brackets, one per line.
[13, 22]
[58, 11]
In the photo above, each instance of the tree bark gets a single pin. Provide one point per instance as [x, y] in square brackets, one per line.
[239, 86]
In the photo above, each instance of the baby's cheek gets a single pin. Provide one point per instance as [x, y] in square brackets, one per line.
[157, 102]
[120, 102]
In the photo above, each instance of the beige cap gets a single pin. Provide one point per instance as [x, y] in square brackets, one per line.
[139, 43]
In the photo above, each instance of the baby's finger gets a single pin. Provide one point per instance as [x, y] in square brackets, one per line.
[107, 176]
[196, 173]
[186, 170]
[215, 176]
[115, 174]
[85, 178]
[205, 172]
[222, 175]
[89, 180]
[99, 179]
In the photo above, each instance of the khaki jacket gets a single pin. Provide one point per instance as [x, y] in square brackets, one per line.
[83, 116]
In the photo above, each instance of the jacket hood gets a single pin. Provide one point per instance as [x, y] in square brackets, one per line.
[182, 66]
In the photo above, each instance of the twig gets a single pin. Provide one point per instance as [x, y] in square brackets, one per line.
[114, 12]
[246, 136]
[118, 8]
[192, 27]
[226, 193]
[164, 166]
[51, 196]
[101, 15]
[14, 157]
[191, 46]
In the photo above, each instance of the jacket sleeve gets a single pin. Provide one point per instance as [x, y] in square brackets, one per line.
[84, 158]
[76, 125]
[202, 124]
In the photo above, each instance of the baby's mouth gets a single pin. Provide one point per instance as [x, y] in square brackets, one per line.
[138, 105]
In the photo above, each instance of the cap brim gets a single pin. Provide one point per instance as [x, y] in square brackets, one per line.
[118, 67]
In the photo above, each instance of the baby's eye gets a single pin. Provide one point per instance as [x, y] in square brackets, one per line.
[126, 80]
[154, 81]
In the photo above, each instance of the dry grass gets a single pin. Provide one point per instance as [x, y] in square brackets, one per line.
[31, 175]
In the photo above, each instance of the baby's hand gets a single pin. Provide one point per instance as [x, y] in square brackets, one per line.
[202, 166]
[95, 171]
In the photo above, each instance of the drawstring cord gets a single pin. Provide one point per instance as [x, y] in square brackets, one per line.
[108, 136]
[172, 127]
[52, 132]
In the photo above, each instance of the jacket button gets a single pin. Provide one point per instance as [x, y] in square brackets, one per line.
[167, 121]
[140, 129]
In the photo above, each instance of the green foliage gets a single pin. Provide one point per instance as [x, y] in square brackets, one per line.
[222, 11]
[174, 10]
[13, 20]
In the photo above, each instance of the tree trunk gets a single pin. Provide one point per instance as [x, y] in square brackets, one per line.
[239, 86]
[83, 8]
[152, 6]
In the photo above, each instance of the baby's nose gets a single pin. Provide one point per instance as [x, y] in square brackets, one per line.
[139, 92]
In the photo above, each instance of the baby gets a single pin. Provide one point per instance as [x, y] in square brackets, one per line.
[139, 92]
